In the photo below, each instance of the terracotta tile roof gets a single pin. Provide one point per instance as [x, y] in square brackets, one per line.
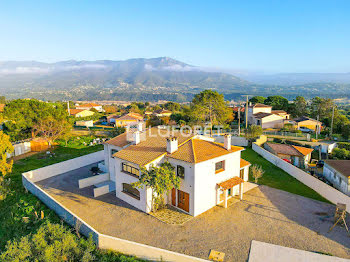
[284, 149]
[260, 105]
[2, 106]
[304, 150]
[342, 166]
[162, 111]
[236, 109]
[198, 150]
[261, 115]
[290, 149]
[244, 163]
[75, 111]
[304, 118]
[119, 141]
[151, 148]
[234, 181]
[88, 105]
[129, 116]
[279, 112]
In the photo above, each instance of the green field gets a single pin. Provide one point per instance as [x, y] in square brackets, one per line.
[19, 203]
[277, 178]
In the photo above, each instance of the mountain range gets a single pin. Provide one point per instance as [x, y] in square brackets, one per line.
[150, 79]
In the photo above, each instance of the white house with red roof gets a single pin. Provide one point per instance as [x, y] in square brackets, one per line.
[263, 115]
[89, 106]
[210, 172]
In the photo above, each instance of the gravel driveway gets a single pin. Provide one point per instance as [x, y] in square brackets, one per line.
[265, 214]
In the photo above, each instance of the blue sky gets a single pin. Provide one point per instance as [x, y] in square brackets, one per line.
[272, 36]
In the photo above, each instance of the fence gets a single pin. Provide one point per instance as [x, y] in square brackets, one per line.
[101, 240]
[323, 189]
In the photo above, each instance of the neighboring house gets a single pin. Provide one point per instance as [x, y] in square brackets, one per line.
[90, 106]
[80, 112]
[124, 120]
[308, 122]
[338, 172]
[162, 113]
[281, 113]
[87, 123]
[268, 120]
[257, 108]
[210, 172]
[299, 156]
[327, 147]
[2, 107]
[148, 113]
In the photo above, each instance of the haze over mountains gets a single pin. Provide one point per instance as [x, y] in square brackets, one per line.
[151, 79]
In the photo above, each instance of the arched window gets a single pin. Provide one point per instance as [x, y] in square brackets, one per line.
[129, 190]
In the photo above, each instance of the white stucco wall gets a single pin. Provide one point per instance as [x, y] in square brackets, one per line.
[205, 181]
[338, 180]
[109, 160]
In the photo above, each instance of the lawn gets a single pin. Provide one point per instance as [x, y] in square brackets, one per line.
[19, 203]
[277, 178]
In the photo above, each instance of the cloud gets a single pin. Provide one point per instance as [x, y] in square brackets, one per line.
[24, 70]
[44, 70]
[176, 68]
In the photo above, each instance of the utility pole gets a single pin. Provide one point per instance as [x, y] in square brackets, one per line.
[68, 108]
[318, 117]
[331, 133]
[239, 120]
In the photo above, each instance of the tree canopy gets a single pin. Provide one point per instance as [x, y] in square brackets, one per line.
[5, 148]
[257, 99]
[23, 114]
[160, 179]
[210, 106]
[277, 102]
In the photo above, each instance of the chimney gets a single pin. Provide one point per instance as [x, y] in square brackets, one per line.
[227, 141]
[171, 144]
[136, 137]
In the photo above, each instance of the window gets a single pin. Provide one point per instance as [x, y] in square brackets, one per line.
[219, 166]
[129, 190]
[181, 171]
[113, 151]
[130, 170]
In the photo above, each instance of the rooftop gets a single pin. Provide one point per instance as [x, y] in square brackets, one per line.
[75, 111]
[89, 105]
[262, 115]
[290, 149]
[279, 112]
[305, 118]
[342, 166]
[198, 150]
[2, 106]
[162, 111]
[260, 105]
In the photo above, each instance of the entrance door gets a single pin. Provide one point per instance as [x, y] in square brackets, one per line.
[241, 173]
[183, 200]
[173, 197]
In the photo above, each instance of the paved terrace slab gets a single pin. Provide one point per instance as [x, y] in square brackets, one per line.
[265, 214]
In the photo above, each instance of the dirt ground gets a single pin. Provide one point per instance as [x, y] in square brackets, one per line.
[265, 214]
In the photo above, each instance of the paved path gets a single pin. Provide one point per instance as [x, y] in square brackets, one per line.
[265, 214]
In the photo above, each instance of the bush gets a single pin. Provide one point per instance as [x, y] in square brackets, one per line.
[52, 242]
[341, 153]
[344, 145]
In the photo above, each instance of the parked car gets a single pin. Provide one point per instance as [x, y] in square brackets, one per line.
[287, 160]
[305, 130]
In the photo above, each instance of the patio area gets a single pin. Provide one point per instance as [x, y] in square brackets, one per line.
[265, 214]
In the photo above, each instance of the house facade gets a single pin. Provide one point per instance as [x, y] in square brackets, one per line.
[309, 123]
[338, 172]
[162, 113]
[263, 115]
[124, 120]
[90, 106]
[210, 172]
[299, 156]
[80, 112]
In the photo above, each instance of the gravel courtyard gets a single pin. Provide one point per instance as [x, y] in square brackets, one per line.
[265, 214]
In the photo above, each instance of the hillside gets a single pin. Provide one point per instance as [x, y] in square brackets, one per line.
[137, 79]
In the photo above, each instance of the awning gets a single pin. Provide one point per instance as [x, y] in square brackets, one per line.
[234, 181]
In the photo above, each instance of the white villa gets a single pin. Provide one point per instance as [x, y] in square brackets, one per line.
[210, 172]
[263, 115]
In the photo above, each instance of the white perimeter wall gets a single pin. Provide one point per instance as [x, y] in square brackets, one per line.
[63, 167]
[328, 192]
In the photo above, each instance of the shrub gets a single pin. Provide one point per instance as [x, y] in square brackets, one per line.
[52, 242]
[341, 153]
[344, 145]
